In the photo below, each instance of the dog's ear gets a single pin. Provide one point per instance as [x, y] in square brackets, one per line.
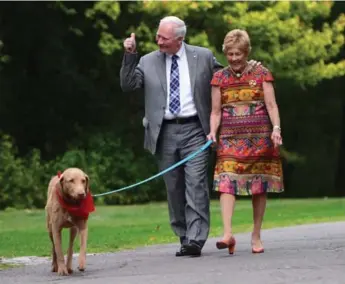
[87, 182]
[61, 180]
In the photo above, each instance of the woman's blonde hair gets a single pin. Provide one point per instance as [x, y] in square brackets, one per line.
[237, 38]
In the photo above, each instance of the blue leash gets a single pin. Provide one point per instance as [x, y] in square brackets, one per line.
[190, 157]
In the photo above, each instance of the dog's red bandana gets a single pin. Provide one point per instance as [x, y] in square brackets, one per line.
[83, 209]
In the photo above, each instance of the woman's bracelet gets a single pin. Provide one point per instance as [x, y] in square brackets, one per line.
[277, 127]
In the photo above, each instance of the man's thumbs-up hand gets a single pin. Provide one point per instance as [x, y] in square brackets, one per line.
[130, 44]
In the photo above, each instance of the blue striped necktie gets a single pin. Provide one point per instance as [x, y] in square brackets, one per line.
[174, 104]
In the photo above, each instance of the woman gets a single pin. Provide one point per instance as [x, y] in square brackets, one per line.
[248, 161]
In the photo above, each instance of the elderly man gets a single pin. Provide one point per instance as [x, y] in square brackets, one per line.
[176, 81]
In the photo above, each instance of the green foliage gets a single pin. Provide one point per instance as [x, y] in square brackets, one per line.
[109, 164]
[60, 97]
[3, 58]
[21, 179]
[284, 34]
[111, 9]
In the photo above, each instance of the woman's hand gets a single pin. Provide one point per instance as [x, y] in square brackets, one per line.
[276, 138]
[212, 137]
[252, 64]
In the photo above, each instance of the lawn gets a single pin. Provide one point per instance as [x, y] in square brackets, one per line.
[112, 228]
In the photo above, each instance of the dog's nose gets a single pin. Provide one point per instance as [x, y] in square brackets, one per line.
[81, 195]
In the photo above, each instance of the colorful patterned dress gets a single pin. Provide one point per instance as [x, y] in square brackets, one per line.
[247, 162]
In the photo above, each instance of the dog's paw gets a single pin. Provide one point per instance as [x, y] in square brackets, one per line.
[82, 264]
[62, 270]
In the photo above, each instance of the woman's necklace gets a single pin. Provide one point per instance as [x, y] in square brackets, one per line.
[237, 74]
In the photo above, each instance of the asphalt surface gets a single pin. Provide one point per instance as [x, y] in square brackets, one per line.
[304, 254]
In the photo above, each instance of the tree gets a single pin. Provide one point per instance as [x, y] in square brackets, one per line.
[293, 39]
[60, 91]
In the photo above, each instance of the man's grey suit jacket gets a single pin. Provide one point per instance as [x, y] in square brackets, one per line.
[150, 74]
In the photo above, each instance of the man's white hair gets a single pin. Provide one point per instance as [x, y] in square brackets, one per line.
[180, 29]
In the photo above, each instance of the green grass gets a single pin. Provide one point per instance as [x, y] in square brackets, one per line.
[4, 266]
[23, 233]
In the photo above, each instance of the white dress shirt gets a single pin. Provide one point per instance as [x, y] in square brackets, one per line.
[186, 97]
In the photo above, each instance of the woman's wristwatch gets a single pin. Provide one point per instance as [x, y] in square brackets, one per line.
[277, 128]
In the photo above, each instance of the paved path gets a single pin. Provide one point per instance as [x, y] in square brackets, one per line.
[304, 254]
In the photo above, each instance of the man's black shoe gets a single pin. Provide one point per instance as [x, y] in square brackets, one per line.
[192, 249]
[182, 251]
